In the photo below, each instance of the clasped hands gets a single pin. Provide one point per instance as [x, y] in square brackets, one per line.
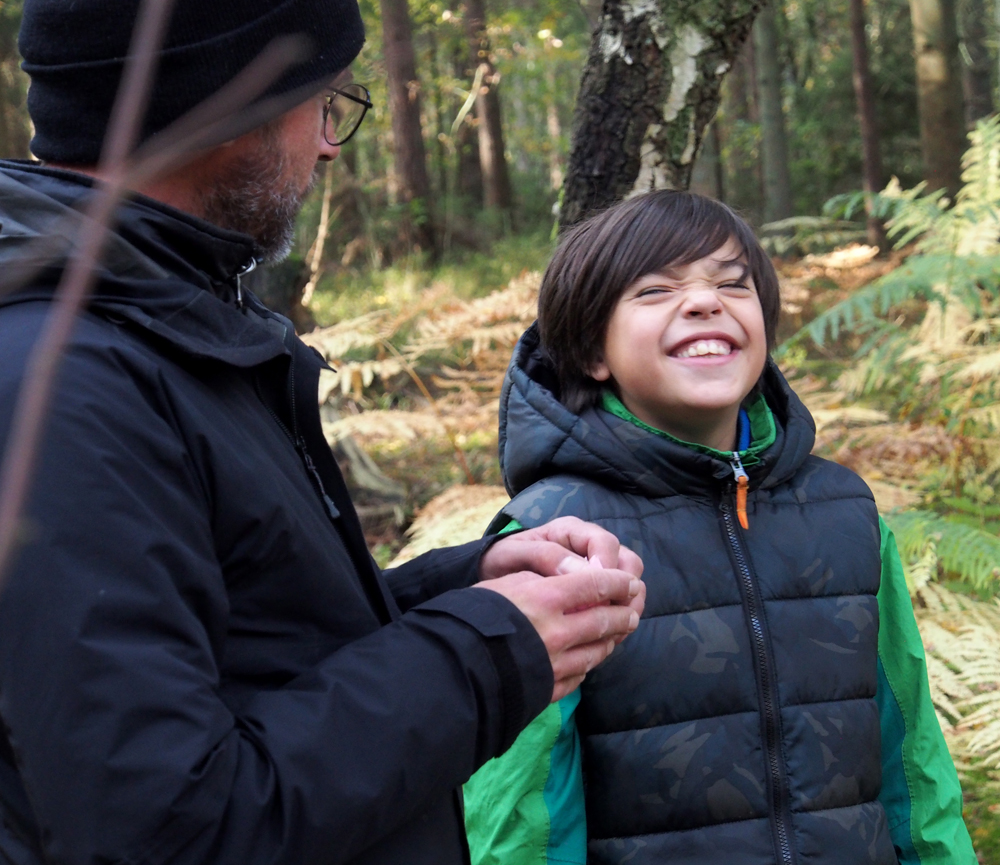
[579, 587]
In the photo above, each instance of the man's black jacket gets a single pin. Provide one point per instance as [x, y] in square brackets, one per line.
[199, 661]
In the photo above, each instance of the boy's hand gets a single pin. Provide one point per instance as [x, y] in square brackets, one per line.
[559, 547]
[580, 616]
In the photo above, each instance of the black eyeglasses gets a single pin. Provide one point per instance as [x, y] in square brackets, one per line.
[344, 110]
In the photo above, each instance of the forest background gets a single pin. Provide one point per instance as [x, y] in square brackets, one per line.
[858, 137]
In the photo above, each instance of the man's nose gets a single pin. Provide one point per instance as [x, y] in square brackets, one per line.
[327, 151]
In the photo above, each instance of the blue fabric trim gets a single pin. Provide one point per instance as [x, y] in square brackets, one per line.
[743, 431]
[563, 792]
[895, 793]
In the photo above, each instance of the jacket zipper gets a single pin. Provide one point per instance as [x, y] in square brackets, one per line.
[298, 442]
[249, 267]
[772, 727]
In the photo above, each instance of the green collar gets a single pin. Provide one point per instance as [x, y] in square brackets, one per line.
[762, 429]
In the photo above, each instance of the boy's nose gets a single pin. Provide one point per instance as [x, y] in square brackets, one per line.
[701, 302]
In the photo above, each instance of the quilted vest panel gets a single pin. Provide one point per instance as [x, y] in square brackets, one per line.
[738, 723]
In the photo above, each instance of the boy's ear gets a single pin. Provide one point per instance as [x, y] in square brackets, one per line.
[599, 370]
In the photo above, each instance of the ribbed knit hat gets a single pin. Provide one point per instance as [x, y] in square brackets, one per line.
[74, 51]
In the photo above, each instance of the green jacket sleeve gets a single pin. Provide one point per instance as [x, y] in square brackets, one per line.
[920, 789]
[526, 807]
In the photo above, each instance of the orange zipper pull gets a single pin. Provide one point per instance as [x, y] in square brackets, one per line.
[741, 501]
[742, 485]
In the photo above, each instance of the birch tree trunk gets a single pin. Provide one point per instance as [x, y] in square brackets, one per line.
[409, 156]
[649, 90]
[939, 92]
[774, 138]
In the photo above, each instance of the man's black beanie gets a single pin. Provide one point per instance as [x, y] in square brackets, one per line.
[74, 51]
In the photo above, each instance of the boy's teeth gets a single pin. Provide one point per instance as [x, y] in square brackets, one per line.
[705, 347]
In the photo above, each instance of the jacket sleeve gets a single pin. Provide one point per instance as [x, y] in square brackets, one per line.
[920, 789]
[112, 623]
[526, 807]
[436, 572]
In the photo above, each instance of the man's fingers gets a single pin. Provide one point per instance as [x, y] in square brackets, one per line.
[595, 624]
[593, 586]
[629, 561]
[565, 687]
[580, 660]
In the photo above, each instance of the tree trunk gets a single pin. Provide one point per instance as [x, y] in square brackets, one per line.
[493, 163]
[554, 128]
[774, 139]
[15, 127]
[649, 90]
[706, 175]
[870, 151]
[468, 174]
[741, 164]
[939, 93]
[409, 157]
[977, 68]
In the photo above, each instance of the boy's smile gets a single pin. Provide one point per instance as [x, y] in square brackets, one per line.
[685, 346]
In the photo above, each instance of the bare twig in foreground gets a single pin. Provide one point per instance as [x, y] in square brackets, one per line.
[225, 115]
[36, 389]
[221, 117]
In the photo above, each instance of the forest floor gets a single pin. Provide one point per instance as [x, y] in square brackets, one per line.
[420, 355]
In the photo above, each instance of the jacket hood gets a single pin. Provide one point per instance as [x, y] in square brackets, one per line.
[163, 270]
[552, 440]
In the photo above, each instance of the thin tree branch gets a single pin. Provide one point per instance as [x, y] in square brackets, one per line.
[316, 253]
[219, 118]
[35, 394]
[222, 116]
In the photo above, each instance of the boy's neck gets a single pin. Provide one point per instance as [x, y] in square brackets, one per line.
[718, 432]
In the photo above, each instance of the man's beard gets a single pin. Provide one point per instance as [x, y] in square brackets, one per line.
[254, 197]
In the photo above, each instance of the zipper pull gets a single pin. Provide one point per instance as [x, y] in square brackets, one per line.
[248, 268]
[742, 484]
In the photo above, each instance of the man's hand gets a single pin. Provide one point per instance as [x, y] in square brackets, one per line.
[559, 547]
[580, 616]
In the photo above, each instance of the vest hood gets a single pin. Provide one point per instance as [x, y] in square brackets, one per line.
[163, 270]
[552, 440]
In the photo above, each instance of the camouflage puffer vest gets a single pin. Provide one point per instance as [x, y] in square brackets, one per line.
[738, 724]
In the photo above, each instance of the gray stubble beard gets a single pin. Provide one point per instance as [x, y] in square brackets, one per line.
[253, 196]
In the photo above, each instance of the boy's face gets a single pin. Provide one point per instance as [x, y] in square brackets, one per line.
[686, 345]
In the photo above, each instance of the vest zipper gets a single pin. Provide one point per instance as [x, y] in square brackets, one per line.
[742, 485]
[768, 686]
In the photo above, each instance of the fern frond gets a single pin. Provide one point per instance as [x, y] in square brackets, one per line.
[391, 425]
[986, 365]
[458, 515]
[962, 640]
[965, 552]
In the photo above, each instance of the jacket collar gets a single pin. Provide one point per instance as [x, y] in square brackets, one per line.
[163, 270]
[619, 454]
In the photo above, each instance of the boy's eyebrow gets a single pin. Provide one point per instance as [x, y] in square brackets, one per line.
[722, 265]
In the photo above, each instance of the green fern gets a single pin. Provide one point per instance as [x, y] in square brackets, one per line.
[921, 278]
[963, 552]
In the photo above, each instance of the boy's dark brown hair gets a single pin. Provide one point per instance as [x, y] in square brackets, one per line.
[597, 260]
